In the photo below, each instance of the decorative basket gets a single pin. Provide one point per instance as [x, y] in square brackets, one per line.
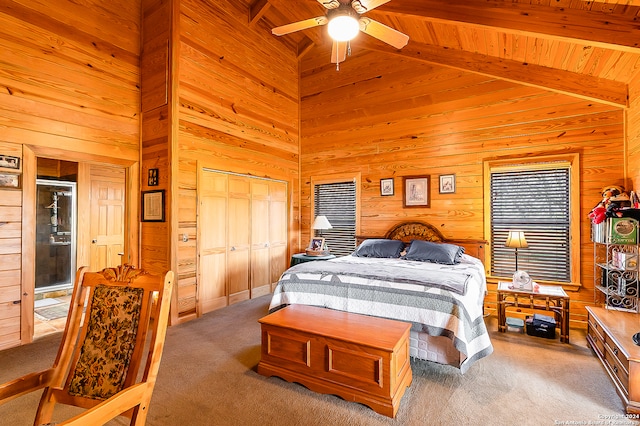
[310, 252]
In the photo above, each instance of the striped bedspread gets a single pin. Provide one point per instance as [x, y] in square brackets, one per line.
[431, 307]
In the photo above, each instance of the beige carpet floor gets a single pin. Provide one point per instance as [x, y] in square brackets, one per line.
[208, 377]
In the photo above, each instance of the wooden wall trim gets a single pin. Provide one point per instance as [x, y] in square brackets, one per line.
[29, 174]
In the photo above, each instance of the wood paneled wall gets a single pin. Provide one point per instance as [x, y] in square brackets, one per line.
[632, 119]
[69, 90]
[238, 112]
[387, 118]
[70, 79]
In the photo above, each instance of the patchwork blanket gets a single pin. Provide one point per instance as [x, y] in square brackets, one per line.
[440, 300]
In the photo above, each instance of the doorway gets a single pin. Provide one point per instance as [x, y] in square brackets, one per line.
[56, 213]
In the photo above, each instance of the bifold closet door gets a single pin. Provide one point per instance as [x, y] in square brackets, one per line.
[239, 240]
[278, 219]
[260, 224]
[212, 241]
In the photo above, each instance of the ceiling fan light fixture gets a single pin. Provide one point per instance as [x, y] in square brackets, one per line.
[343, 27]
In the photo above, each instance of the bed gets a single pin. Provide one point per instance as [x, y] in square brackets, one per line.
[391, 277]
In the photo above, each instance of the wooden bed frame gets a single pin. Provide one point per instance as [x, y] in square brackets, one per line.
[407, 231]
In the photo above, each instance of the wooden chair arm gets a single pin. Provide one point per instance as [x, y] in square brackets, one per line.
[25, 384]
[113, 407]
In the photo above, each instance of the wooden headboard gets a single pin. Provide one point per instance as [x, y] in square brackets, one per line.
[407, 231]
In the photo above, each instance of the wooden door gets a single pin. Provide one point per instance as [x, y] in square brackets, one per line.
[10, 273]
[212, 241]
[260, 265]
[278, 236]
[239, 241]
[107, 217]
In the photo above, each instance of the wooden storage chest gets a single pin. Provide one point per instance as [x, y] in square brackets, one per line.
[357, 357]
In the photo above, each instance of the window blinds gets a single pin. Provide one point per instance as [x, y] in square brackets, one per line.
[536, 202]
[337, 201]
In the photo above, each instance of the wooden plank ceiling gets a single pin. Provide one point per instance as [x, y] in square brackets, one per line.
[589, 49]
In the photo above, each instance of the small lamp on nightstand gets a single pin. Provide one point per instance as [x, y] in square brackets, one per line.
[516, 240]
[321, 223]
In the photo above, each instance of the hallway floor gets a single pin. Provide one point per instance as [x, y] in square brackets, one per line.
[50, 315]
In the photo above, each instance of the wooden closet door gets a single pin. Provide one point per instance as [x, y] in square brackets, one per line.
[278, 220]
[239, 240]
[212, 241]
[260, 223]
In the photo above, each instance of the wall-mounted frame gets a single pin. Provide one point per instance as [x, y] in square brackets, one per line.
[416, 191]
[153, 206]
[447, 184]
[386, 187]
[9, 162]
[152, 177]
[9, 180]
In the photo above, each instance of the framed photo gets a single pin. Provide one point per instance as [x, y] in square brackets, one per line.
[386, 186]
[447, 184]
[153, 206]
[416, 191]
[8, 180]
[9, 162]
[317, 243]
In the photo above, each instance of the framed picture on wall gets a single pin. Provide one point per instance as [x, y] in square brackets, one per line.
[153, 206]
[386, 187]
[9, 180]
[447, 184]
[416, 191]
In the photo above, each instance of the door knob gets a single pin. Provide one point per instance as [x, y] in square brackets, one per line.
[94, 241]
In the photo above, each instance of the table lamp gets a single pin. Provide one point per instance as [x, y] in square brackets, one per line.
[516, 240]
[321, 223]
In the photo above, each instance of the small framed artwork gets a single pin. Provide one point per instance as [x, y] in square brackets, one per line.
[317, 243]
[386, 186]
[152, 177]
[416, 191]
[153, 206]
[8, 180]
[447, 184]
[9, 162]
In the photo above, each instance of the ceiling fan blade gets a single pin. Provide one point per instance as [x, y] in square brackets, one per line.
[363, 6]
[384, 33]
[300, 25]
[330, 4]
[338, 52]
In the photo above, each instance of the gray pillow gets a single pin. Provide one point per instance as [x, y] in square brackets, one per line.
[378, 247]
[427, 251]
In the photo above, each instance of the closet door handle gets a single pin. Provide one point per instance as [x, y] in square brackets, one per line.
[233, 249]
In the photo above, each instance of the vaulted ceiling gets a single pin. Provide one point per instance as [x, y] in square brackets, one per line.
[589, 49]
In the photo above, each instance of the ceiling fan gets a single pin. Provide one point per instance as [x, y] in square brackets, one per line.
[344, 22]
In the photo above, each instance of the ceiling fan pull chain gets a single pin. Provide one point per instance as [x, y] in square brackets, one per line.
[349, 48]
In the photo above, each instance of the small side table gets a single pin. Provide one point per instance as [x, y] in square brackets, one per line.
[548, 298]
[302, 257]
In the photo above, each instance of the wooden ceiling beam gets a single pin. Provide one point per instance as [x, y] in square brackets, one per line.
[583, 86]
[608, 30]
[257, 11]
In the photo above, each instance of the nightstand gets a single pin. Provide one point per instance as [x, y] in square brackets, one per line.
[302, 257]
[549, 298]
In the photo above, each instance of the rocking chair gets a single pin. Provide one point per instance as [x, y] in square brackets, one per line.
[116, 323]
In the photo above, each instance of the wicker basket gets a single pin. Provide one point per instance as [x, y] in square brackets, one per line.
[310, 252]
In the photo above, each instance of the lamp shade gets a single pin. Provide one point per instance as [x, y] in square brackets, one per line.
[516, 239]
[321, 222]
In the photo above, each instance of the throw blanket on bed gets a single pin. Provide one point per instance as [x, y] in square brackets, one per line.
[452, 308]
[446, 277]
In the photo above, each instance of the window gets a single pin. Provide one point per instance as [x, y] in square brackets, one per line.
[541, 198]
[337, 201]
